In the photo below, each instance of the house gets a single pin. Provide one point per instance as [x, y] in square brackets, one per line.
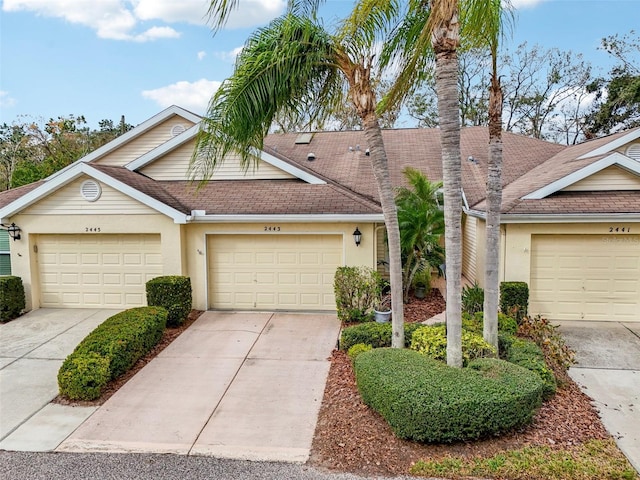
[271, 238]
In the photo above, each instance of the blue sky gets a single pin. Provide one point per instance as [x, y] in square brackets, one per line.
[107, 58]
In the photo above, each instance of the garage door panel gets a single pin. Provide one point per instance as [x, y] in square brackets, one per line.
[585, 277]
[287, 271]
[97, 270]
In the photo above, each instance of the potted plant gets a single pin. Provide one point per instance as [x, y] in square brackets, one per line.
[421, 283]
[382, 310]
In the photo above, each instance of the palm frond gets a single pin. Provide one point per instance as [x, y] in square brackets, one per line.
[289, 60]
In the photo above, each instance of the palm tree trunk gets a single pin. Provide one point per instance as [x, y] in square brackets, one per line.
[448, 111]
[380, 166]
[494, 200]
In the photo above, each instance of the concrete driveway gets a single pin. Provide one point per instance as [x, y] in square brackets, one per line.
[234, 385]
[608, 370]
[32, 348]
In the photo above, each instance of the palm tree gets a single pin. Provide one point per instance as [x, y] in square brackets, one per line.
[421, 226]
[294, 59]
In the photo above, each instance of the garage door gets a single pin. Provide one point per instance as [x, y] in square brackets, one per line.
[106, 271]
[273, 272]
[586, 277]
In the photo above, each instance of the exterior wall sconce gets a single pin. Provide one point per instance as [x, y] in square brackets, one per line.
[357, 237]
[14, 231]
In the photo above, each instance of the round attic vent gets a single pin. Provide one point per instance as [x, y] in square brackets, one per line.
[633, 151]
[177, 130]
[90, 190]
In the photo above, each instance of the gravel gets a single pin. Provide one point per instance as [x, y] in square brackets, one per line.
[80, 466]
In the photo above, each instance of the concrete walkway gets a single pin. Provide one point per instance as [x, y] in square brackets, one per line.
[233, 385]
[608, 370]
[32, 348]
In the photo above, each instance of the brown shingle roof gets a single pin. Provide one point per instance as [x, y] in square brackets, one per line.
[264, 197]
[9, 196]
[581, 203]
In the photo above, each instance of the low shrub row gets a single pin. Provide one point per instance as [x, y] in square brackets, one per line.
[425, 400]
[377, 335]
[109, 351]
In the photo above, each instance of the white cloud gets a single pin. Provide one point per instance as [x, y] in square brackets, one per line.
[229, 56]
[120, 20]
[193, 96]
[526, 3]
[6, 100]
[201, 55]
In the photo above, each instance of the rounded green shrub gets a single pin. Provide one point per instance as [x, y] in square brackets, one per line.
[82, 377]
[427, 401]
[12, 299]
[357, 349]
[431, 340]
[172, 292]
[375, 334]
[474, 323]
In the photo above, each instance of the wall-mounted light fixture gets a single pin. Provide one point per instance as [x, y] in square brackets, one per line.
[13, 230]
[357, 237]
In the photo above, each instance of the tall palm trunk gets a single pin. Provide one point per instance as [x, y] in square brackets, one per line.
[445, 42]
[380, 167]
[494, 199]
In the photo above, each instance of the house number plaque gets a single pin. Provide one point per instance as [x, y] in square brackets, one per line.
[619, 229]
[92, 229]
[271, 229]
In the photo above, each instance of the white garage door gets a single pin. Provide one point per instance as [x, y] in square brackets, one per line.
[273, 272]
[97, 271]
[585, 277]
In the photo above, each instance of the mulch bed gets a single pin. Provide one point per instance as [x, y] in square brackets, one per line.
[352, 437]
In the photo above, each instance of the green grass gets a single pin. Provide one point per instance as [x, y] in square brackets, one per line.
[594, 460]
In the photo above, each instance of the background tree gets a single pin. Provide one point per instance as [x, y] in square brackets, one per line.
[34, 149]
[294, 58]
[617, 102]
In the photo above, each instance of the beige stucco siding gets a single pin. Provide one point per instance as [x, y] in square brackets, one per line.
[611, 178]
[68, 201]
[139, 146]
[175, 166]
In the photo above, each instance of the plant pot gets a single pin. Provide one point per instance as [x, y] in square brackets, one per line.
[382, 317]
[420, 291]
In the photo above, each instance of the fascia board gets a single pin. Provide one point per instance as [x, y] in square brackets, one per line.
[132, 134]
[293, 218]
[569, 218]
[163, 149]
[613, 159]
[291, 169]
[608, 147]
[83, 168]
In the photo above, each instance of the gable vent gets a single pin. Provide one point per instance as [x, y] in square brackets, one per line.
[177, 130]
[90, 190]
[633, 151]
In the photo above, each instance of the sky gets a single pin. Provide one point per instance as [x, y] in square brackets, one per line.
[107, 58]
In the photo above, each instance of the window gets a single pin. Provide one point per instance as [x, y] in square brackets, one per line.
[5, 260]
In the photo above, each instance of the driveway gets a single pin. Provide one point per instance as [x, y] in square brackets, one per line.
[608, 370]
[32, 348]
[234, 385]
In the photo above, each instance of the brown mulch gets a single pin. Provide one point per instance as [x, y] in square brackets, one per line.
[170, 334]
[352, 437]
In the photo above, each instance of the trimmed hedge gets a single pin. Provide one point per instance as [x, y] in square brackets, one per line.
[527, 354]
[12, 299]
[474, 323]
[427, 401]
[172, 292]
[110, 350]
[375, 334]
[514, 299]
